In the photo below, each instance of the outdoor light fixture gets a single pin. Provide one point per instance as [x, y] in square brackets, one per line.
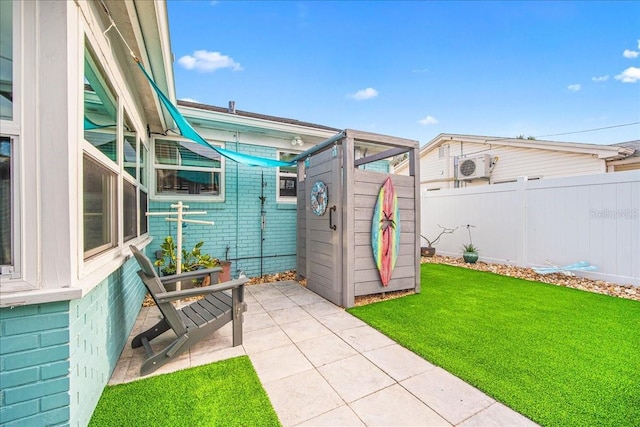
[297, 141]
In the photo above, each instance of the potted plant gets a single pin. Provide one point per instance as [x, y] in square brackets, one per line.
[429, 250]
[191, 260]
[470, 251]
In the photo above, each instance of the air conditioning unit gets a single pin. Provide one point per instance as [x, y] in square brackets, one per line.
[474, 167]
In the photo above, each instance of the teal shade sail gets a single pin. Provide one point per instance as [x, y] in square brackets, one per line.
[89, 125]
[189, 132]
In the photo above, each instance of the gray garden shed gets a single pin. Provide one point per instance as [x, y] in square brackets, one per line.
[345, 174]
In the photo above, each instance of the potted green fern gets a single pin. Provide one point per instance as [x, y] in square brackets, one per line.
[191, 260]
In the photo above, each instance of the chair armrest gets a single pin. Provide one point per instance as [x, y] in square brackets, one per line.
[188, 275]
[205, 290]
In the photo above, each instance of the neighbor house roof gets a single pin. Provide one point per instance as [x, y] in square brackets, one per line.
[606, 152]
[633, 145]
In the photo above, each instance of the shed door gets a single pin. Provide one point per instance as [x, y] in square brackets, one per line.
[324, 232]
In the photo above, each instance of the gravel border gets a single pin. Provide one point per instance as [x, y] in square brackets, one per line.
[558, 279]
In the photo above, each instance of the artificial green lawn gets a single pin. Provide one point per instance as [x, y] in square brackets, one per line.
[226, 393]
[560, 356]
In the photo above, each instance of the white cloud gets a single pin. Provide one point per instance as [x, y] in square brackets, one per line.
[638, 44]
[429, 120]
[630, 53]
[630, 75]
[190, 100]
[574, 88]
[205, 61]
[600, 78]
[363, 94]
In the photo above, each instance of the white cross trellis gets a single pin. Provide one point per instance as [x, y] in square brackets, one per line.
[180, 213]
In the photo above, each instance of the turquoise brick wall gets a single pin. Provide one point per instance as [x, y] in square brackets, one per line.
[100, 324]
[379, 166]
[34, 365]
[237, 220]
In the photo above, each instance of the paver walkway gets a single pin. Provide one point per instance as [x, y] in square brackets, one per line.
[322, 366]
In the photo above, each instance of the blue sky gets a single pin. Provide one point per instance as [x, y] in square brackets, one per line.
[417, 69]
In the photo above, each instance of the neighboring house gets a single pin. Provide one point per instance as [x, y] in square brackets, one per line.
[454, 161]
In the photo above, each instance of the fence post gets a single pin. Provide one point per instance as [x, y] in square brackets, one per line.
[521, 221]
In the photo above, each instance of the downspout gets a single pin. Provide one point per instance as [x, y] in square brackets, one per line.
[262, 222]
[237, 199]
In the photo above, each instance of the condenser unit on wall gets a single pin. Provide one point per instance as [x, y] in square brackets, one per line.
[474, 167]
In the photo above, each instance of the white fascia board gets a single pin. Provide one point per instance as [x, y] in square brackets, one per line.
[165, 46]
[602, 151]
[150, 26]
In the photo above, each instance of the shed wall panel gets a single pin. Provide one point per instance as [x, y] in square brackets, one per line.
[367, 276]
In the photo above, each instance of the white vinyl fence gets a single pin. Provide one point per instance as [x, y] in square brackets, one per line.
[593, 218]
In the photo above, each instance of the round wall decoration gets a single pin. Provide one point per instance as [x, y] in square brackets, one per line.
[319, 198]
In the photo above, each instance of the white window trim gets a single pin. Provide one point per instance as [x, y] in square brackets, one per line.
[92, 270]
[153, 195]
[279, 198]
[11, 276]
[19, 278]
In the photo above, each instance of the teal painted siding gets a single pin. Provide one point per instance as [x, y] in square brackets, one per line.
[237, 220]
[100, 324]
[34, 365]
[379, 166]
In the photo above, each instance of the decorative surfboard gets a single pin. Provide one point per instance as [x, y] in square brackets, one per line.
[385, 231]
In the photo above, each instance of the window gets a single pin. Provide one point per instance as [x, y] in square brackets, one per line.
[186, 168]
[99, 195]
[287, 178]
[143, 160]
[6, 201]
[133, 210]
[144, 208]
[100, 109]
[114, 161]
[10, 231]
[6, 60]
[130, 150]
[129, 211]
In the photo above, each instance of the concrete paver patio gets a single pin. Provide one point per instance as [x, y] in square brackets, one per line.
[321, 366]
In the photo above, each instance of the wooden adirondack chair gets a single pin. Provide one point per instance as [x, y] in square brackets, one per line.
[193, 322]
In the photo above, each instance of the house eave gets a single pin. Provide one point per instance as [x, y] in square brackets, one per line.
[201, 117]
[144, 26]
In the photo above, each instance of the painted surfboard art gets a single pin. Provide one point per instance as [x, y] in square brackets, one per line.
[385, 231]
